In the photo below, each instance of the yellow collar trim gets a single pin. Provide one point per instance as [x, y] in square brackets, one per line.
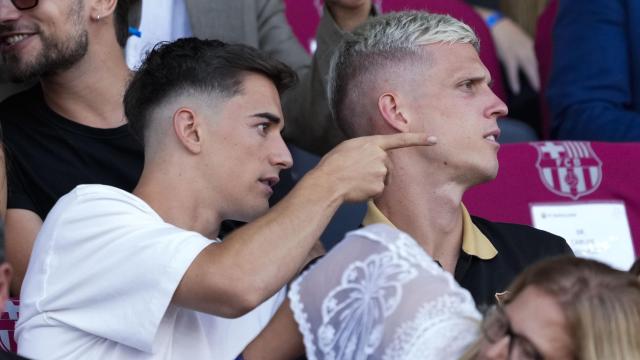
[474, 242]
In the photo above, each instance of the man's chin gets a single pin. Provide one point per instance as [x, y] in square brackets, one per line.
[482, 177]
[20, 73]
[23, 78]
[253, 213]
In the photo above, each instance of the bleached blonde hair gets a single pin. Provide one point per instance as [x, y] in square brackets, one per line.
[382, 44]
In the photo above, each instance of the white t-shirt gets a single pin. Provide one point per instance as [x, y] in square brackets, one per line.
[100, 280]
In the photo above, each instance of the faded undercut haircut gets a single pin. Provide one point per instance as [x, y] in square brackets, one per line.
[384, 43]
[194, 66]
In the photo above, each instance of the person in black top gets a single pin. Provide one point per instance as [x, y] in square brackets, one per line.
[61, 153]
[411, 72]
[70, 128]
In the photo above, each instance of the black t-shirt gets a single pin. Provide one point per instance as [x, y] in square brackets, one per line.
[518, 247]
[48, 155]
[10, 356]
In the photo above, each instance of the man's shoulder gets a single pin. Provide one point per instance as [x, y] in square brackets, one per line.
[523, 238]
[94, 201]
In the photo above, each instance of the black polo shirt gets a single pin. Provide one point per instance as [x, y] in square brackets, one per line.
[518, 246]
[493, 254]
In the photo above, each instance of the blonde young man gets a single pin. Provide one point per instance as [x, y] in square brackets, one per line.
[415, 71]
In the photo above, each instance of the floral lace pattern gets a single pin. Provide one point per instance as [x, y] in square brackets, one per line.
[353, 313]
[432, 331]
[378, 295]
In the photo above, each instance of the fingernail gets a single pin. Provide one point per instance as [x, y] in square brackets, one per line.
[432, 140]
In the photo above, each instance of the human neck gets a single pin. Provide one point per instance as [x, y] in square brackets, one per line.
[90, 92]
[165, 191]
[428, 208]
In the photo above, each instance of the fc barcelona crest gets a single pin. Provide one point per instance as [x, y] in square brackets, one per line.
[569, 168]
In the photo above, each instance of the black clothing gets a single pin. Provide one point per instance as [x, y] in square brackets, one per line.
[48, 155]
[10, 356]
[518, 247]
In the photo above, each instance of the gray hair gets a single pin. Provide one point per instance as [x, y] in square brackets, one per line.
[381, 42]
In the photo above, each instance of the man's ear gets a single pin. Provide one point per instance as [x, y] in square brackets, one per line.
[5, 279]
[188, 129]
[101, 9]
[389, 109]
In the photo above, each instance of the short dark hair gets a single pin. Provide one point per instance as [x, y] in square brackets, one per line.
[121, 20]
[206, 66]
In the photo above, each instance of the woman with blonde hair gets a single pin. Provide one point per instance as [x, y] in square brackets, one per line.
[565, 308]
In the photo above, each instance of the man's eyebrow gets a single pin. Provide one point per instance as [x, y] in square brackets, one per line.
[475, 78]
[275, 119]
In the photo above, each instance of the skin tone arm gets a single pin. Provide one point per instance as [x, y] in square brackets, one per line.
[279, 340]
[232, 278]
[515, 50]
[21, 229]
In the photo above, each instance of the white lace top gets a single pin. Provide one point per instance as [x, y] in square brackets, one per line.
[378, 295]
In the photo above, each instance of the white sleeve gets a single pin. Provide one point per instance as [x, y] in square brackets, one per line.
[108, 266]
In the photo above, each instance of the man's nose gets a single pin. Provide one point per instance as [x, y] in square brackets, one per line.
[8, 12]
[497, 107]
[281, 156]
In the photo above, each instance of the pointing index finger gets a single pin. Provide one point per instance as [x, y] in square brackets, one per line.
[395, 141]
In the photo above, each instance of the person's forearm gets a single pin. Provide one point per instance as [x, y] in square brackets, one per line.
[231, 278]
[21, 228]
[284, 236]
[279, 340]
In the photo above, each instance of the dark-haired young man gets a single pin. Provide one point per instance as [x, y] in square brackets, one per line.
[70, 128]
[118, 275]
[262, 24]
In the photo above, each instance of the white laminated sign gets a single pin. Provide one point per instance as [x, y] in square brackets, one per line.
[595, 230]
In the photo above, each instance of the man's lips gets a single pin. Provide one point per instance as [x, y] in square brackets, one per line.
[8, 40]
[492, 135]
[269, 182]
